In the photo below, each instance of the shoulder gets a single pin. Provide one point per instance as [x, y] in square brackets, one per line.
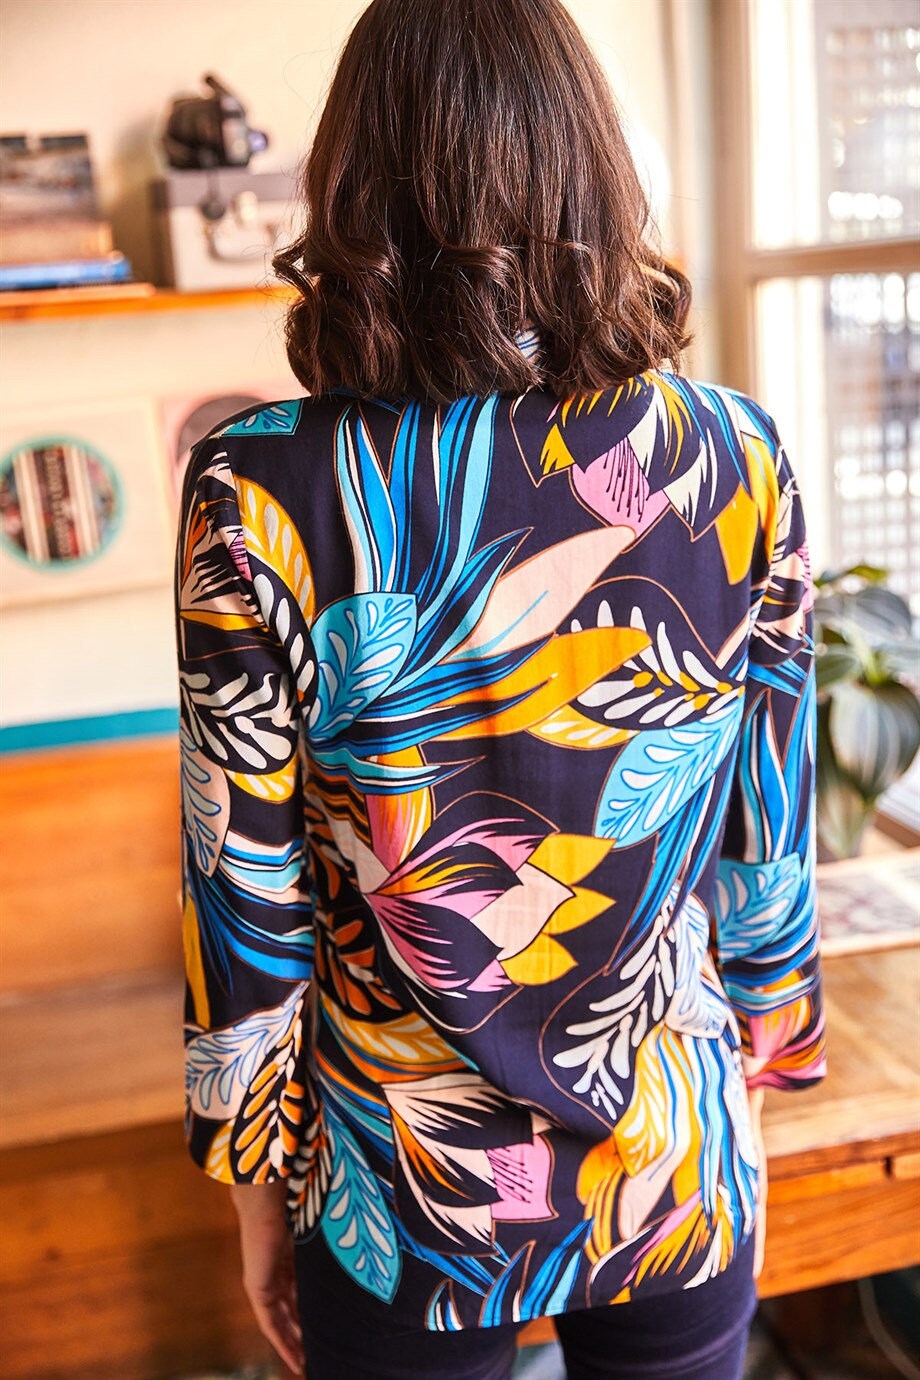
[279, 418]
[718, 409]
[239, 441]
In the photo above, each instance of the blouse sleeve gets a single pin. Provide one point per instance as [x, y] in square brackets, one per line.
[246, 893]
[767, 932]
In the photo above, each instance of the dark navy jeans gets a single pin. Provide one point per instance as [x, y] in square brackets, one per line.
[685, 1334]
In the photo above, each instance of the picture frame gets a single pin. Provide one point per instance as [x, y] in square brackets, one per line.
[83, 504]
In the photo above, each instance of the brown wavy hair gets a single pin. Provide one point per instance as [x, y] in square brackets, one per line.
[469, 179]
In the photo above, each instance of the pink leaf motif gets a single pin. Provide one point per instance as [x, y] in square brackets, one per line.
[521, 1175]
[614, 487]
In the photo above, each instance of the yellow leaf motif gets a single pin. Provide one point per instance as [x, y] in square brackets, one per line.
[217, 1164]
[555, 454]
[761, 469]
[403, 1049]
[583, 906]
[736, 526]
[568, 727]
[559, 672]
[599, 1175]
[228, 621]
[641, 1133]
[271, 535]
[542, 961]
[277, 786]
[569, 857]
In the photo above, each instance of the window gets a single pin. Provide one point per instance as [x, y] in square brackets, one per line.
[819, 212]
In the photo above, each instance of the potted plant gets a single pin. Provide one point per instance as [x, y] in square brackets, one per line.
[868, 665]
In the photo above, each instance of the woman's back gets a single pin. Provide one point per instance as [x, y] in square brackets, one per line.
[498, 738]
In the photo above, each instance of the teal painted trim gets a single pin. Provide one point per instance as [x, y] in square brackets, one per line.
[93, 728]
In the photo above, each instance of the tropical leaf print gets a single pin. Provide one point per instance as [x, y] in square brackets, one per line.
[195, 977]
[449, 1131]
[311, 1171]
[553, 676]
[659, 770]
[271, 872]
[205, 803]
[360, 643]
[242, 722]
[356, 1222]
[754, 902]
[271, 536]
[276, 419]
[697, 1006]
[530, 602]
[665, 1149]
[599, 1048]
[671, 679]
[222, 1064]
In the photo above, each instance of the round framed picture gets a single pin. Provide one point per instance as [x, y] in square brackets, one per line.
[60, 501]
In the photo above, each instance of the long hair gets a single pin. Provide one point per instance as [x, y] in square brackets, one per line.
[470, 179]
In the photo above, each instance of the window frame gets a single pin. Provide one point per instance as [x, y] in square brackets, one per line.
[740, 265]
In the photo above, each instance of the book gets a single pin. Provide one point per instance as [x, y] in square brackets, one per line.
[42, 241]
[108, 268]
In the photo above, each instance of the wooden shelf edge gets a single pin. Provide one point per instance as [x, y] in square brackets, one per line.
[64, 303]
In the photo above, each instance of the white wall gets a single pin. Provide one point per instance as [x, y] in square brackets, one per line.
[109, 67]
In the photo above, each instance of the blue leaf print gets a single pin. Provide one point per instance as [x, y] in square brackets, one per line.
[228, 915]
[277, 419]
[549, 1291]
[658, 771]
[402, 474]
[442, 1315]
[356, 1222]
[508, 1284]
[464, 460]
[360, 643]
[205, 805]
[380, 778]
[269, 871]
[754, 901]
[366, 506]
[720, 1166]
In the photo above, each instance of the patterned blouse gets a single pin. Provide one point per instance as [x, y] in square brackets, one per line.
[497, 741]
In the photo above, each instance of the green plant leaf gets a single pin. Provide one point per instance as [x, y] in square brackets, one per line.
[874, 732]
[900, 657]
[842, 814]
[877, 612]
[836, 662]
[872, 574]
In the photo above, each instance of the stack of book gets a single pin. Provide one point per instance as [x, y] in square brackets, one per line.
[51, 232]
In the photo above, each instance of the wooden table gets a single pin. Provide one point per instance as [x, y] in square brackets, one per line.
[844, 1156]
[109, 1229]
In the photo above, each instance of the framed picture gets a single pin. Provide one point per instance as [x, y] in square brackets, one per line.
[186, 420]
[83, 505]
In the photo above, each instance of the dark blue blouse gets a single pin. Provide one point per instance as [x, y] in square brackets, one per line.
[498, 737]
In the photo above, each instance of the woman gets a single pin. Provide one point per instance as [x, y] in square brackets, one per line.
[497, 698]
